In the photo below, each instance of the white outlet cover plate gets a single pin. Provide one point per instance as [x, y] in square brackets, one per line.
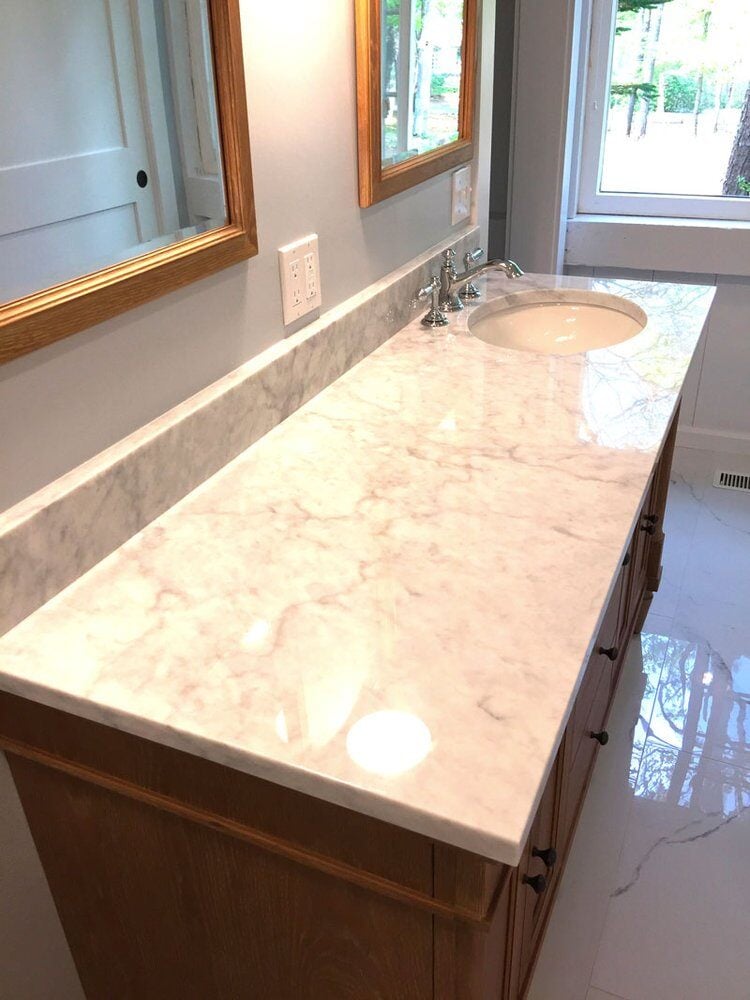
[461, 195]
[299, 265]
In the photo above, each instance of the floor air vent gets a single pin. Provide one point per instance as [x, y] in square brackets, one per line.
[732, 481]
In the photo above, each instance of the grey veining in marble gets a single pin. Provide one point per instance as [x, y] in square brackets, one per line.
[54, 536]
[387, 602]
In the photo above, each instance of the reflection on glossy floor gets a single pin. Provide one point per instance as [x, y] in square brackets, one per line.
[655, 901]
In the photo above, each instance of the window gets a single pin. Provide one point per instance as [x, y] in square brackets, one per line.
[667, 118]
[421, 68]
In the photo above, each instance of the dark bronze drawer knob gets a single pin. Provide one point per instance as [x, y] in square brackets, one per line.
[548, 857]
[537, 882]
[651, 518]
[650, 529]
[612, 653]
[601, 738]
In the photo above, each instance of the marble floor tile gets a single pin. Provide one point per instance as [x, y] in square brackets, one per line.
[678, 920]
[651, 651]
[566, 961]
[655, 901]
[702, 702]
[680, 523]
[696, 466]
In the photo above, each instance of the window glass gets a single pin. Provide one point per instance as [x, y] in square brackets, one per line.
[679, 102]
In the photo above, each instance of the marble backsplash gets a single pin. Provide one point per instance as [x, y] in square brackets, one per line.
[50, 539]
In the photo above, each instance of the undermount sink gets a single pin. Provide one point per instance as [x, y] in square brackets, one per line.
[557, 321]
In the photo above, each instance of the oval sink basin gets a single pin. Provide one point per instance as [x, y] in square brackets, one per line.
[557, 321]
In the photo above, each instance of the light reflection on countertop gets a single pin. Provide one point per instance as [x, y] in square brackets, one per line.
[361, 606]
[388, 743]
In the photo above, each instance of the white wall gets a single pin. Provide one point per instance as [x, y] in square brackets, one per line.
[66, 402]
[62, 404]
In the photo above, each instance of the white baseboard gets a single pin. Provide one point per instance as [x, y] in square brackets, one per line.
[724, 442]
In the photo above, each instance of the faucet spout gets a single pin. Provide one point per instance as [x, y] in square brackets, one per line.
[509, 267]
[450, 280]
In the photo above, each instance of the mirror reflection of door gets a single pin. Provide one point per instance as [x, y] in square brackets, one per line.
[420, 76]
[104, 104]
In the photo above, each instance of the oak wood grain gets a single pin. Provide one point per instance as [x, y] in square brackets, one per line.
[376, 183]
[156, 907]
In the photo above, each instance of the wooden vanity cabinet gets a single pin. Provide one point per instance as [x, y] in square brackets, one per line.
[179, 879]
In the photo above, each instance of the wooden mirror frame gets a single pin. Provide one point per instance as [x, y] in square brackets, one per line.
[56, 312]
[375, 182]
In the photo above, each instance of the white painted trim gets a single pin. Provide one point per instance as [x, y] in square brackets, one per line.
[703, 439]
[542, 145]
[595, 109]
[146, 47]
[697, 246]
[578, 104]
[512, 146]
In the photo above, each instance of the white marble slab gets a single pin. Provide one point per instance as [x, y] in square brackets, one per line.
[54, 536]
[387, 601]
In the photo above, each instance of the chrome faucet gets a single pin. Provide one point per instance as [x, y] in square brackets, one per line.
[450, 280]
[470, 290]
[441, 291]
[435, 317]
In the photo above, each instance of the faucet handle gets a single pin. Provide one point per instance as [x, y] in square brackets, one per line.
[470, 290]
[435, 317]
[472, 256]
[449, 257]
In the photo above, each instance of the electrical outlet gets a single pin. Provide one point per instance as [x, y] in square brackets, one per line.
[461, 195]
[300, 278]
[311, 276]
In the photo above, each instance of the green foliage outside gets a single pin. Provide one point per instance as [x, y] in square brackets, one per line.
[646, 92]
[679, 87]
[625, 7]
[443, 84]
[680, 93]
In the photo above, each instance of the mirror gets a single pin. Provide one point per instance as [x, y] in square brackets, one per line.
[124, 157]
[416, 65]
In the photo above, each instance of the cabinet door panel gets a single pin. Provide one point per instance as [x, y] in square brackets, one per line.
[587, 713]
[533, 906]
[581, 754]
[641, 549]
[199, 915]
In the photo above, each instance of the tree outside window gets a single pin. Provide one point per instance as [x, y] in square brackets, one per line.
[679, 102]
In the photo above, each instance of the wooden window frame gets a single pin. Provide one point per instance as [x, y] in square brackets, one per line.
[44, 317]
[377, 183]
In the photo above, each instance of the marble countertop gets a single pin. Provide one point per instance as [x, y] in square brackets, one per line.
[388, 601]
